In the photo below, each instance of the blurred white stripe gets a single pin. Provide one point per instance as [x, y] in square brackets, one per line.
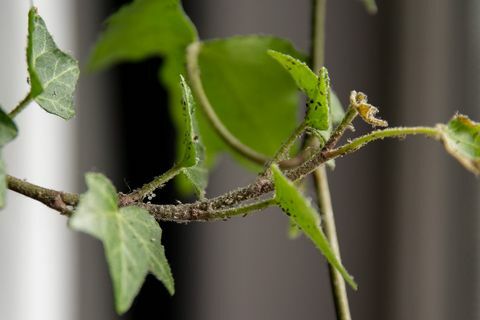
[37, 251]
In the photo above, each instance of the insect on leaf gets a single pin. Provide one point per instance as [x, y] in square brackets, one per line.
[194, 152]
[317, 89]
[293, 203]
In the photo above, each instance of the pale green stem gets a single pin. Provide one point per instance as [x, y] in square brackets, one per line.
[21, 105]
[347, 120]
[320, 174]
[357, 143]
[150, 187]
[282, 152]
[217, 124]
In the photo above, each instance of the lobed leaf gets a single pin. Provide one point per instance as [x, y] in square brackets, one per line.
[131, 239]
[292, 202]
[8, 132]
[461, 138]
[53, 73]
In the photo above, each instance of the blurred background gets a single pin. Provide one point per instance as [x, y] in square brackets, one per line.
[409, 231]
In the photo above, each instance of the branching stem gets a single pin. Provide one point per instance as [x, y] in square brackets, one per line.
[148, 188]
[320, 174]
[226, 205]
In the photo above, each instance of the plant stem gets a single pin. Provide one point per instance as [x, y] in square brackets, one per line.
[347, 120]
[21, 105]
[156, 183]
[320, 174]
[199, 92]
[171, 212]
[397, 132]
[208, 208]
[56, 200]
[282, 153]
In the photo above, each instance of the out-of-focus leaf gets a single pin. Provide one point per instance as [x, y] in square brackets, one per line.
[8, 132]
[251, 94]
[299, 209]
[131, 239]
[146, 28]
[461, 138]
[371, 6]
[142, 29]
[53, 73]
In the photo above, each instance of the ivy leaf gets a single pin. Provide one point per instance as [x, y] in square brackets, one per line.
[315, 87]
[371, 6]
[131, 239]
[142, 29]
[53, 73]
[147, 28]
[194, 152]
[8, 132]
[251, 94]
[299, 209]
[461, 138]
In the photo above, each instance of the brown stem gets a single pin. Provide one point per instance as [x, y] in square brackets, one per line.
[63, 202]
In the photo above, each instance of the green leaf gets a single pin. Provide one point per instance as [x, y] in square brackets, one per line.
[251, 94]
[371, 6]
[53, 73]
[299, 209]
[305, 78]
[142, 29]
[131, 238]
[461, 138]
[315, 87]
[8, 132]
[8, 129]
[318, 107]
[194, 152]
[146, 28]
[293, 230]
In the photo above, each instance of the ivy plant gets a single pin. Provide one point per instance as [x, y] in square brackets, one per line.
[211, 85]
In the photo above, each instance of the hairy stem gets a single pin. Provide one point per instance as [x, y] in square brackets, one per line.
[220, 206]
[398, 132]
[200, 95]
[320, 174]
[282, 153]
[21, 105]
[189, 214]
[346, 123]
[148, 188]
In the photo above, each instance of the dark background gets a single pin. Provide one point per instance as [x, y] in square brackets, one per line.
[407, 214]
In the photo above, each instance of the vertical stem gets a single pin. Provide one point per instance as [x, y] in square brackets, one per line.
[320, 175]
